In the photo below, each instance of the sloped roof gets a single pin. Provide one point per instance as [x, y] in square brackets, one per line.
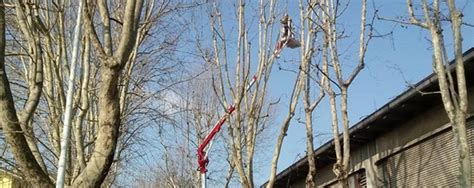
[402, 108]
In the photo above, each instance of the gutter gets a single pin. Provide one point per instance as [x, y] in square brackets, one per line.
[365, 123]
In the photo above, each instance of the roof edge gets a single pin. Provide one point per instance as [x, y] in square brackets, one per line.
[407, 94]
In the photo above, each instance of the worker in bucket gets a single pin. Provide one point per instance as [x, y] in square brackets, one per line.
[286, 38]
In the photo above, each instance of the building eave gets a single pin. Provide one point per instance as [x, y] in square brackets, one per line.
[398, 110]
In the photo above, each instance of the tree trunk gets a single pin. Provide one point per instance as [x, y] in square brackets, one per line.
[83, 109]
[284, 129]
[310, 150]
[109, 122]
[109, 101]
[11, 125]
[454, 102]
[345, 137]
[460, 122]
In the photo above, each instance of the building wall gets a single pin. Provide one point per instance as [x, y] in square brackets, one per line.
[6, 181]
[423, 138]
[432, 162]
[10, 181]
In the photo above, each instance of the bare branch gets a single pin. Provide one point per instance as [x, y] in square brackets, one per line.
[413, 19]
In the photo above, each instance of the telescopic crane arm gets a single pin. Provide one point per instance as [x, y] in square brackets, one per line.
[202, 155]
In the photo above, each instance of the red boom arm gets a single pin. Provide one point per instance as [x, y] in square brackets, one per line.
[202, 158]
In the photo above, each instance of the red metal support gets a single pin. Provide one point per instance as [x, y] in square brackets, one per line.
[202, 158]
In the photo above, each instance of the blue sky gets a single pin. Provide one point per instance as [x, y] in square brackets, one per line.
[391, 62]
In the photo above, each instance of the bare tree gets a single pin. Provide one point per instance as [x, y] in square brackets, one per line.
[452, 88]
[250, 116]
[200, 111]
[112, 63]
[322, 15]
[39, 40]
[15, 125]
[150, 89]
[309, 27]
[330, 12]
[308, 17]
[295, 94]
